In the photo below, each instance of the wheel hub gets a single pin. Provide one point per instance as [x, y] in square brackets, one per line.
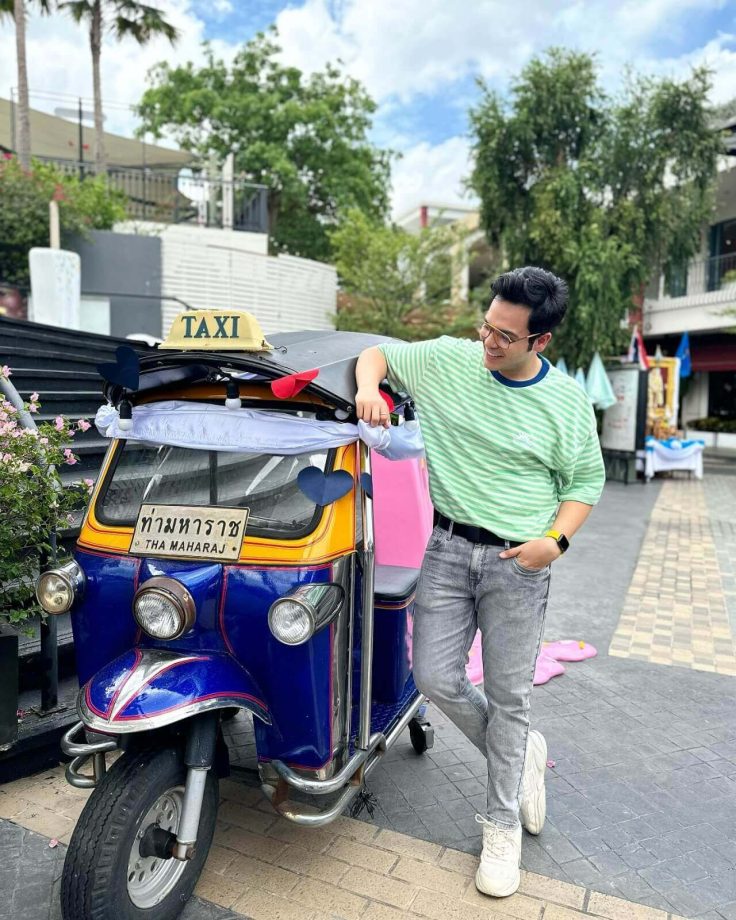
[151, 873]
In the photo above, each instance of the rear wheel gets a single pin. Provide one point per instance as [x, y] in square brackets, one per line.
[421, 734]
[138, 801]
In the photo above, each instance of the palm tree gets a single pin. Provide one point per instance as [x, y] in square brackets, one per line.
[127, 18]
[16, 9]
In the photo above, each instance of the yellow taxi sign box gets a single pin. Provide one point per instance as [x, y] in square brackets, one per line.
[216, 330]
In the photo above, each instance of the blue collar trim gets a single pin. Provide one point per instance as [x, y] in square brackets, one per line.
[506, 381]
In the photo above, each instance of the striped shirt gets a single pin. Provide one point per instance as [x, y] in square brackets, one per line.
[501, 454]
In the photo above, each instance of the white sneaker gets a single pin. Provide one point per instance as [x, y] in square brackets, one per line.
[498, 873]
[533, 800]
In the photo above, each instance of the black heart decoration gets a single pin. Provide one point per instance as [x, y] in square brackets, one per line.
[125, 371]
[324, 488]
[366, 484]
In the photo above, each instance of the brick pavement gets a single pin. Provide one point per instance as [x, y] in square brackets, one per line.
[264, 868]
[641, 800]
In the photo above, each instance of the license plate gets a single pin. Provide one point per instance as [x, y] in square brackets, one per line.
[189, 532]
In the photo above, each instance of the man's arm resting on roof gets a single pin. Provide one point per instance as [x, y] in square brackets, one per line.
[369, 372]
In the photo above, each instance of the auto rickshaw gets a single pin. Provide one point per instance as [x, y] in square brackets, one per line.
[227, 562]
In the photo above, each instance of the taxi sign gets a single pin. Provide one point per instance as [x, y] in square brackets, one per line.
[216, 330]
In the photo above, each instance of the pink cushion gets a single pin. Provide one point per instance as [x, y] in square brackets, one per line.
[546, 668]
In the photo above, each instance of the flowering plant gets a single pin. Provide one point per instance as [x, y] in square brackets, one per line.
[34, 503]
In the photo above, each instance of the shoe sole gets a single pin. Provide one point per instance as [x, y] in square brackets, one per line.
[503, 893]
[535, 805]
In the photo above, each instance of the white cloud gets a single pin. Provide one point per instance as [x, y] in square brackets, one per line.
[398, 48]
[431, 174]
[59, 61]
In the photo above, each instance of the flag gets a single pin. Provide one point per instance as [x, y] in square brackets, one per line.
[637, 352]
[683, 353]
[562, 366]
[580, 377]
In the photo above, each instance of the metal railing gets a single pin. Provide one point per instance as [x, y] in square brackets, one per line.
[183, 196]
[701, 276]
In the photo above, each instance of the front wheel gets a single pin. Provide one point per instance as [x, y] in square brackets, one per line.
[105, 874]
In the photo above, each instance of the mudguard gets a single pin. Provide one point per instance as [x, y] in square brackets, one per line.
[147, 688]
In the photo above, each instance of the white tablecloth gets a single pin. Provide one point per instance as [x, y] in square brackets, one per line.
[662, 456]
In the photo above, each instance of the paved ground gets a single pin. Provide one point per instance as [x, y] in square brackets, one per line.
[641, 799]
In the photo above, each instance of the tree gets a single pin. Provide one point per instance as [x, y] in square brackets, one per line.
[17, 10]
[24, 211]
[606, 192]
[305, 138]
[397, 283]
[129, 19]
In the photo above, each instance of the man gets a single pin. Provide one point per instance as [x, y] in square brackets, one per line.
[514, 469]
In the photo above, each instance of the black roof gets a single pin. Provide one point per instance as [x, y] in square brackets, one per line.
[333, 353]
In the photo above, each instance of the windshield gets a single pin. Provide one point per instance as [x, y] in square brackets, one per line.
[263, 483]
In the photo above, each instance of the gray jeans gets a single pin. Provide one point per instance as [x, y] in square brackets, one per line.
[463, 587]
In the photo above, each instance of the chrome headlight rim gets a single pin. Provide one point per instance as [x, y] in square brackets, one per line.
[307, 608]
[71, 574]
[321, 602]
[174, 592]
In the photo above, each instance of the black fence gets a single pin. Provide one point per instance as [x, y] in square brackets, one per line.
[174, 196]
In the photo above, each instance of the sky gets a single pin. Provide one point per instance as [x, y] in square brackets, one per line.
[419, 60]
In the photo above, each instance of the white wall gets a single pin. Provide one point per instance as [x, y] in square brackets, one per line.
[209, 268]
[695, 404]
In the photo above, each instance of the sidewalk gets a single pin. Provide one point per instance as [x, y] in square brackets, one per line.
[641, 805]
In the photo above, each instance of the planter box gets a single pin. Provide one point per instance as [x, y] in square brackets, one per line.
[725, 440]
[708, 436]
[8, 688]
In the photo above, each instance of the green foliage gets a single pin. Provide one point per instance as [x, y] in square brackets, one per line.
[606, 192]
[303, 137]
[127, 18]
[397, 283]
[33, 501]
[24, 211]
[714, 423]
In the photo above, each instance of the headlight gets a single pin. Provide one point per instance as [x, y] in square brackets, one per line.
[295, 618]
[163, 608]
[57, 589]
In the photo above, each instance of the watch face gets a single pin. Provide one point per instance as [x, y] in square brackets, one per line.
[563, 543]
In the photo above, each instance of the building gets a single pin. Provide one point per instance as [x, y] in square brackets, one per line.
[700, 299]
[194, 238]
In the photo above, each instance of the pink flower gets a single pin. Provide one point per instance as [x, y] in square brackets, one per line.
[5, 371]
[69, 457]
[33, 407]
[59, 423]
[43, 441]
[34, 397]
[83, 425]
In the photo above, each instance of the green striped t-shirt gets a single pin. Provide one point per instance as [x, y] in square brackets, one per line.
[501, 454]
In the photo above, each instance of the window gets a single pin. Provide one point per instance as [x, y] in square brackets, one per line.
[264, 483]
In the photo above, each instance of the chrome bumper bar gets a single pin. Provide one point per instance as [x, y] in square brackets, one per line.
[81, 752]
[302, 813]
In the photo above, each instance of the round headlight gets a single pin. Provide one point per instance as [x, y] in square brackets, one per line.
[163, 608]
[290, 622]
[55, 592]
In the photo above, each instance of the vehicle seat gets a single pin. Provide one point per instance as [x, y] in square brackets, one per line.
[394, 583]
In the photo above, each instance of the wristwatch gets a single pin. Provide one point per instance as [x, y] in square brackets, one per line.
[560, 539]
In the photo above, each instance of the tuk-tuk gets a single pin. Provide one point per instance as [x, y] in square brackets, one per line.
[227, 562]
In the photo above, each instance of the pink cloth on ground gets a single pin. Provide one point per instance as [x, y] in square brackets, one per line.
[569, 650]
[545, 669]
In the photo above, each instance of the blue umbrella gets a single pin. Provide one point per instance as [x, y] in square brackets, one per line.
[598, 386]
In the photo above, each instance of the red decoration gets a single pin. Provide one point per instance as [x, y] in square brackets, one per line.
[285, 387]
[387, 399]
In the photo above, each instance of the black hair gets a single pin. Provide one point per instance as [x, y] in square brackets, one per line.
[542, 292]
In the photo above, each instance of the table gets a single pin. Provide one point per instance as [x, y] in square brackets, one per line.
[673, 454]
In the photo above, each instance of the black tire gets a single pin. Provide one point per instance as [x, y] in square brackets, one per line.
[94, 883]
[421, 734]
